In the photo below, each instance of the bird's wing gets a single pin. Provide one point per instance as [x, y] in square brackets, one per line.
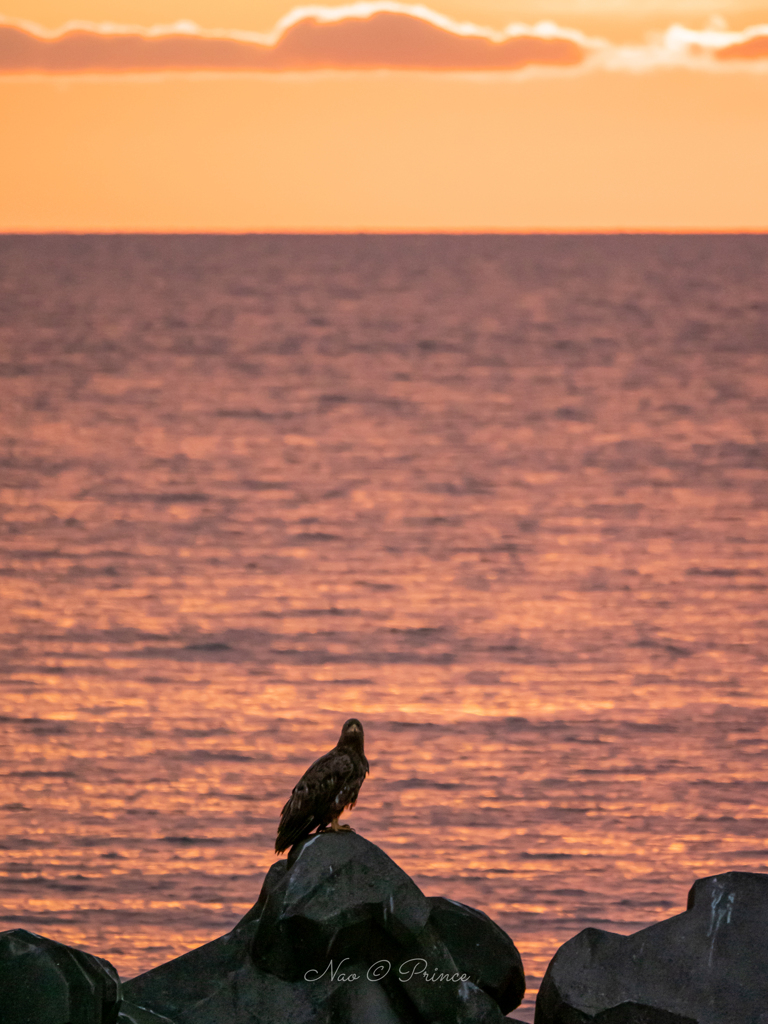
[321, 782]
[315, 795]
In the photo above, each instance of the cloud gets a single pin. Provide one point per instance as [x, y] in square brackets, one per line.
[696, 50]
[751, 45]
[368, 35]
[360, 36]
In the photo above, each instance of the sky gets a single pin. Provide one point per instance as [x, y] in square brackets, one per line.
[466, 115]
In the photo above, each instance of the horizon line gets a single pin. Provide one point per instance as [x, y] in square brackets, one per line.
[379, 232]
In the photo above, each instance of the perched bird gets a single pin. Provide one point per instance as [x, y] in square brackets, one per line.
[325, 789]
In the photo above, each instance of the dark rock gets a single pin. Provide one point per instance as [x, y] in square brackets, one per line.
[273, 877]
[340, 897]
[481, 949]
[46, 982]
[708, 965]
[173, 988]
[343, 900]
[635, 1013]
[130, 1014]
[340, 935]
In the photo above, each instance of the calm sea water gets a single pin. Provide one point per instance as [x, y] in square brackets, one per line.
[503, 498]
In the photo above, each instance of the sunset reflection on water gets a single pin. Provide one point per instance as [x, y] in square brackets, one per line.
[504, 499]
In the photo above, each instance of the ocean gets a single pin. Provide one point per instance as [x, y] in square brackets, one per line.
[503, 498]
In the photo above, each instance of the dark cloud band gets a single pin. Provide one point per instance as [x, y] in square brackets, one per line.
[368, 35]
[385, 39]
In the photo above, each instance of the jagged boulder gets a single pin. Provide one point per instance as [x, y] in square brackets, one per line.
[484, 951]
[132, 1014]
[176, 989]
[46, 982]
[341, 934]
[708, 965]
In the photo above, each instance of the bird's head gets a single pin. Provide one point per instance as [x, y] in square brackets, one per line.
[352, 732]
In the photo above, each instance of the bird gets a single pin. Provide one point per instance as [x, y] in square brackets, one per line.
[325, 789]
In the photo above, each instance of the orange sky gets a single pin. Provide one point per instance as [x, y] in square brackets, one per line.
[599, 121]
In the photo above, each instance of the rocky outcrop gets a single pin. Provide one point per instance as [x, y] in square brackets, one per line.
[206, 975]
[131, 1014]
[708, 965]
[45, 982]
[340, 933]
[485, 952]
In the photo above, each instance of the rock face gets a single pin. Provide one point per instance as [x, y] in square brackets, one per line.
[341, 934]
[45, 982]
[708, 965]
[484, 951]
[131, 1014]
